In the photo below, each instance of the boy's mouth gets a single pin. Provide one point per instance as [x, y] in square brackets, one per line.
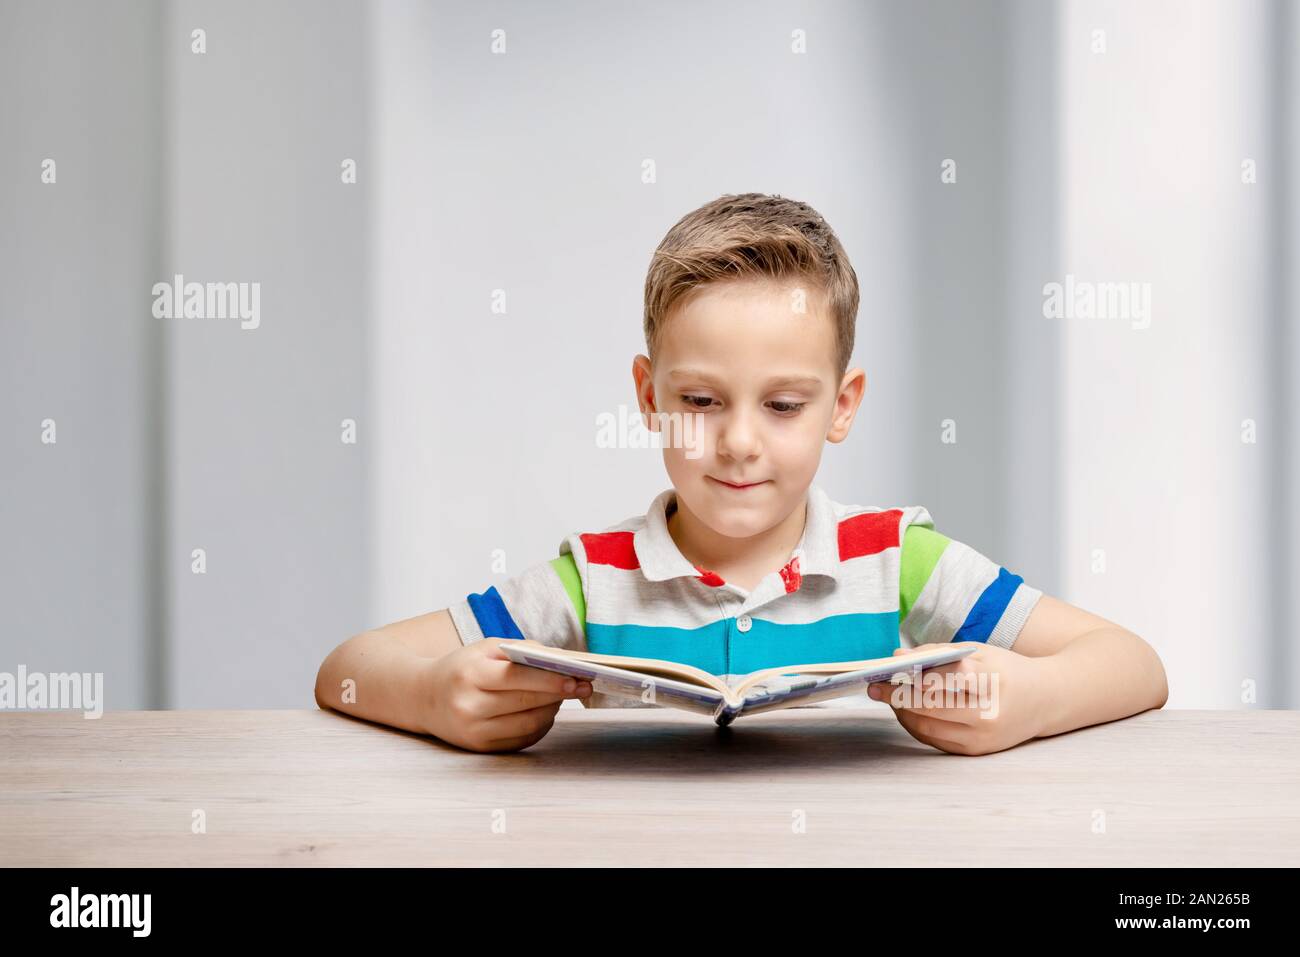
[736, 485]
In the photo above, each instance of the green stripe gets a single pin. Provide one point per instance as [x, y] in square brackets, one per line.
[568, 571]
[922, 547]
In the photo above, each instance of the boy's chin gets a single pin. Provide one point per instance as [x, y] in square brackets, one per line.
[737, 520]
[747, 526]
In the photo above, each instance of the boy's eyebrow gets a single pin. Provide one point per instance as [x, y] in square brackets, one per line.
[784, 380]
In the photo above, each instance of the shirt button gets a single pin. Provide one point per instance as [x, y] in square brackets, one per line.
[743, 623]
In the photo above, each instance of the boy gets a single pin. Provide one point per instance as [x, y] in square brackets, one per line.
[750, 307]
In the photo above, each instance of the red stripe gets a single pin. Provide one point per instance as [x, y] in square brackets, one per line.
[869, 533]
[712, 579]
[792, 575]
[610, 548]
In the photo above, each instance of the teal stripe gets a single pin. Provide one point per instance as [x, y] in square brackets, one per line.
[703, 648]
[721, 648]
[838, 638]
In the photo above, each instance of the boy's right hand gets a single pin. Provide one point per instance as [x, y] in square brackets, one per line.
[483, 701]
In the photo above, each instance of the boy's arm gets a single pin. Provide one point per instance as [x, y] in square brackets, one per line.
[1102, 671]
[390, 670]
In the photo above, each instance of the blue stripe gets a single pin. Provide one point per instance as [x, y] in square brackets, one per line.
[492, 614]
[721, 648]
[986, 614]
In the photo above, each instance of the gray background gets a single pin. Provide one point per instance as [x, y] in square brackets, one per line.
[522, 172]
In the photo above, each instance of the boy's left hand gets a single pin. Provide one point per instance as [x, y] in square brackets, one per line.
[1007, 696]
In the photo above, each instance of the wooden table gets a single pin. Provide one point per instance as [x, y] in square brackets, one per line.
[644, 787]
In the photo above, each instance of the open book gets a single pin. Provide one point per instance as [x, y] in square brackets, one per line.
[672, 685]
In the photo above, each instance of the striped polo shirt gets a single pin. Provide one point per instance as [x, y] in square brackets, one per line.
[862, 582]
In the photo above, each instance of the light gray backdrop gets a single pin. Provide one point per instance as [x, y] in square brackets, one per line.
[1102, 462]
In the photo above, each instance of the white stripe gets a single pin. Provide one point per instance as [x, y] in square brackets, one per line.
[1014, 617]
[466, 624]
[959, 578]
[538, 604]
[868, 585]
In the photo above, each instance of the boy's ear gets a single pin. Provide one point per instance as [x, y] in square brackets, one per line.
[852, 387]
[643, 380]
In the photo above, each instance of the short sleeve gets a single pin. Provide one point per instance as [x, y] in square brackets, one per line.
[947, 591]
[544, 602]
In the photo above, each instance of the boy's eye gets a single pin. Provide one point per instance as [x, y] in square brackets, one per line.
[779, 406]
[787, 408]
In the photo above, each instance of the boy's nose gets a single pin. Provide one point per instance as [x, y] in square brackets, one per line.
[739, 438]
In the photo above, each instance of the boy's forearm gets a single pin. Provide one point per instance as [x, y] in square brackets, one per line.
[385, 682]
[1100, 676]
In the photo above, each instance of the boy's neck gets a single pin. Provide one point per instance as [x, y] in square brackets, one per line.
[751, 557]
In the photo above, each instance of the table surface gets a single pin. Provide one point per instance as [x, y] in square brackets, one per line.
[644, 787]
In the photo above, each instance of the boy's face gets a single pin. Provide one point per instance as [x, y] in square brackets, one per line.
[756, 359]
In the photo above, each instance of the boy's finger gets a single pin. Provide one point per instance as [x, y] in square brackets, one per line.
[509, 728]
[509, 676]
[512, 701]
[955, 716]
[930, 727]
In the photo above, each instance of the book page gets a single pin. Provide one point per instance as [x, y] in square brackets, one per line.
[783, 691]
[654, 667]
[648, 689]
[925, 658]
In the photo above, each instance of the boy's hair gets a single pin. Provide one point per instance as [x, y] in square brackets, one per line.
[752, 235]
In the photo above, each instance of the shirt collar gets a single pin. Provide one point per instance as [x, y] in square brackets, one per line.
[660, 559]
